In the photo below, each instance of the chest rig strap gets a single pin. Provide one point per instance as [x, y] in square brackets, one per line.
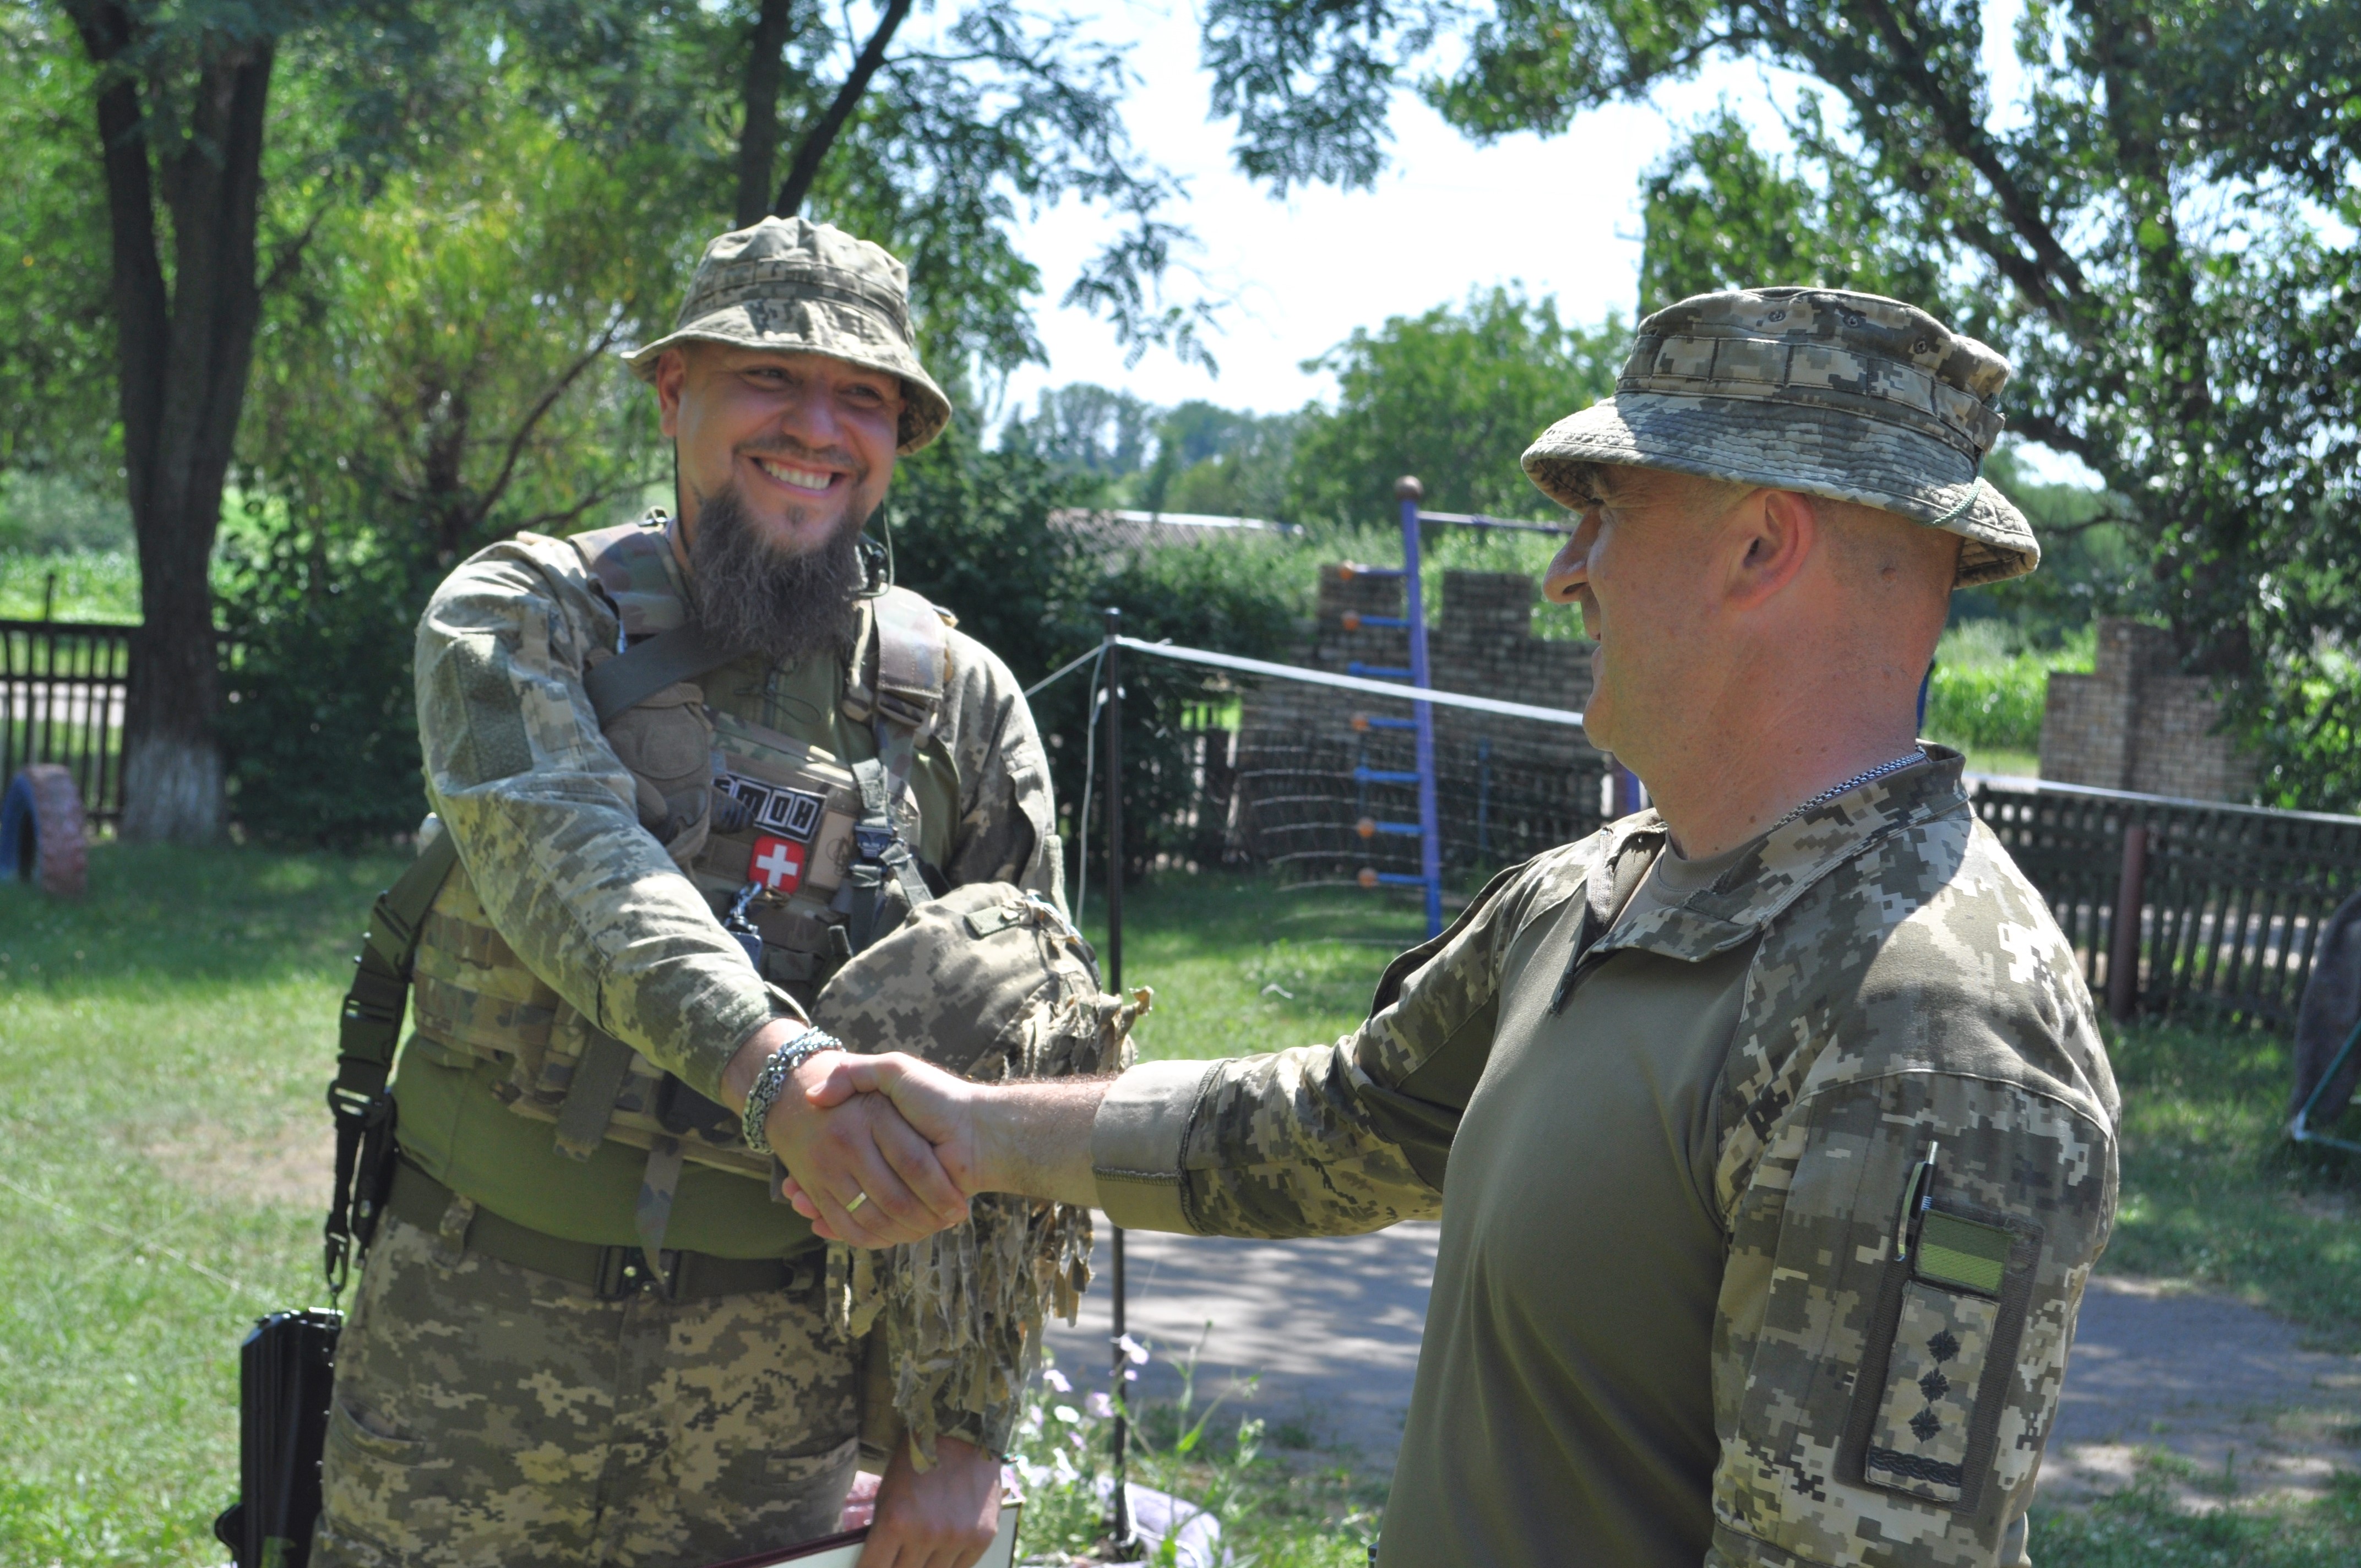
[902, 702]
[370, 1028]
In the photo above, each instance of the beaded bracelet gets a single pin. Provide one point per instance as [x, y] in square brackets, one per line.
[773, 1079]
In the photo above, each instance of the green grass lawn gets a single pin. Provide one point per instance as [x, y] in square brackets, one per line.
[164, 1044]
[158, 1042]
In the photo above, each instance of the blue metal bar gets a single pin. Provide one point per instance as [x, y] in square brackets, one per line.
[1392, 830]
[1400, 879]
[1374, 721]
[1356, 571]
[1629, 795]
[1383, 672]
[1355, 621]
[1410, 492]
[1379, 775]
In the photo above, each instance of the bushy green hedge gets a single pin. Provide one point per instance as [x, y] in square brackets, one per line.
[1989, 698]
[316, 723]
[1996, 706]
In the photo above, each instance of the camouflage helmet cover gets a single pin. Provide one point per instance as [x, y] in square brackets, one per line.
[1852, 396]
[800, 287]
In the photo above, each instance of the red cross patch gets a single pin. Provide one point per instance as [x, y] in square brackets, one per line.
[778, 865]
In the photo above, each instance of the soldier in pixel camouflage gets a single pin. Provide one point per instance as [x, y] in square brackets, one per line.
[1770, 1129]
[591, 1328]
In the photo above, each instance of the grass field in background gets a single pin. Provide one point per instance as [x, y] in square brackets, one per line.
[163, 1047]
[91, 585]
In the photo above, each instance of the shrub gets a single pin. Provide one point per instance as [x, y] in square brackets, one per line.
[316, 722]
[1988, 696]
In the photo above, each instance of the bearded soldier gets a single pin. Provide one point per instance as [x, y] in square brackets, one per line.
[591, 1330]
[1770, 1129]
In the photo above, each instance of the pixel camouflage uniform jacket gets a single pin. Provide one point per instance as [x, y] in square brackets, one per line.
[1884, 1374]
[553, 847]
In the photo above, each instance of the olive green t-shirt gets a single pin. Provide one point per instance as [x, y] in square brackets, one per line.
[454, 1126]
[1568, 1352]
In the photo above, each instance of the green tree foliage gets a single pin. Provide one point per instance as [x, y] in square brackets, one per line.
[2162, 240]
[450, 218]
[1452, 395]
[53, 266]
[1835, 234]
[970, 531]
[1224, 462]
[1087, 430]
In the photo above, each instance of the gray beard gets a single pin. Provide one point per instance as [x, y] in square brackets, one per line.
[752, 595]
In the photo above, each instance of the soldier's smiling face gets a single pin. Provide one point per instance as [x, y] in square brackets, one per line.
[805, 441]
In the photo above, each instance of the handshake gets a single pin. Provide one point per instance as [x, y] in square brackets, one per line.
[884, 1149]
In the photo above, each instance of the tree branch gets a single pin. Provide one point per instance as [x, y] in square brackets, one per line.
[142, 307]
[817, 142]
[1957, 126]
[293, 251]
[547, 400]
[2043, 428]
[568, 514]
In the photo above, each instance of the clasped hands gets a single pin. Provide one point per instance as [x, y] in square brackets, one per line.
[879, 1150]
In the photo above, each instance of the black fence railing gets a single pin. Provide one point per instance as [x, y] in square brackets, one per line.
[62, 691]
[2231, 898]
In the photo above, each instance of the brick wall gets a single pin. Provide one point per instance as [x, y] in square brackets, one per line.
[1483, 646]
[1506, 788]
[2136, 722]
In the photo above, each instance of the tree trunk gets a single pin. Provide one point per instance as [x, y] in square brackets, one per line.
[181, 362]
[758, 141]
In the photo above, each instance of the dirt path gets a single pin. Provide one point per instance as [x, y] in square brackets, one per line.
[1332, 1329]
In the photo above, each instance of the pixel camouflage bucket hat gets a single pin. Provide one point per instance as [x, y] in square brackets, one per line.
[1855, 397]
[804, 287]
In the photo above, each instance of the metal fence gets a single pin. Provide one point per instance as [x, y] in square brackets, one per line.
[2231, 898]
[1328, 809]
[63, 690]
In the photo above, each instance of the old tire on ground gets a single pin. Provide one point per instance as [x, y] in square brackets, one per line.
[2332, 1005]
[43, 836]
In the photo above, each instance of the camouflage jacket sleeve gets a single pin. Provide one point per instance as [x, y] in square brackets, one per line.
[1328, 1140]
[543, 816]
[1917, 1172]
[1007, 825]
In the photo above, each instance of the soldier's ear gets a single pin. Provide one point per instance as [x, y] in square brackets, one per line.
[1772, 534]
[672, 376]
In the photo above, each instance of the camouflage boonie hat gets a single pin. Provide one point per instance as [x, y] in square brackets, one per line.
[1851, 396]
[806, 288]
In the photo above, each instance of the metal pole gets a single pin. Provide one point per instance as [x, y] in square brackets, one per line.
[1410, 492]
[2123, 952]
[1123, 1539]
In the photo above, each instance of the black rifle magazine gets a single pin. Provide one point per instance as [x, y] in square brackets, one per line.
[285, 1369]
